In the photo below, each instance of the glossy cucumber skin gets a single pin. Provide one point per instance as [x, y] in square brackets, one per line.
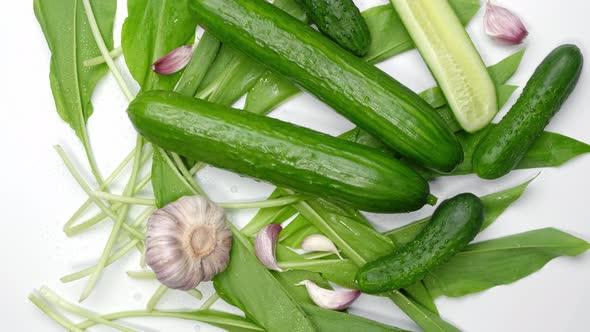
[453, 225]
[278, 152]
[551, 84]
[358, 90]
[342, 21]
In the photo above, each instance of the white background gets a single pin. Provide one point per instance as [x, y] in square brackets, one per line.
[38, 195]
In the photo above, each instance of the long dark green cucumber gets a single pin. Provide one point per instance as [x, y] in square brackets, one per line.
[278, 152]
[356, 89]
[551, 84]
[342, 21]
[453, 225]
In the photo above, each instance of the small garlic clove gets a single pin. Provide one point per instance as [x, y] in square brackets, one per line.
[330, 299]
[502, 24]
[266, 244]
[188, 241]
[319, 242]
[174, 61]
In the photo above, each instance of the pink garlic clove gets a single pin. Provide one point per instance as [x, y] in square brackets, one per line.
[502, 24]
[174, 61]
[330, 299]
[266, 244]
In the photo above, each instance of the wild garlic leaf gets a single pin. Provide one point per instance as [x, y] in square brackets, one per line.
[494, 205]
[248, 285]
[389, 36]
[269, 92]
[274, 215]
[71, 42]
[152, 29]
[204, 55]
[502, 261]
[297, 231]
[167, 182]
[360, 243]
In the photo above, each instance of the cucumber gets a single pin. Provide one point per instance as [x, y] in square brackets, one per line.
[358, 90]
[278, 152]
[452, 226]
[505, 145]
[454, 62]
[340, 20]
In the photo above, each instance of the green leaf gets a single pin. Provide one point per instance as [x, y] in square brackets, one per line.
[167, 182]
[71, 42]
[502, 261]
[274, 215]
[552, 150]
[549, 150]
[419, 293]
[389, 37]
[297, 231]
[494, 205]
[249, 286]
[326, 320]
[153, 29]
[194, 73]
[269, 92]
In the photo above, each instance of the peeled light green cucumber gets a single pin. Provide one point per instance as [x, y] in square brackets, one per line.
[453, 60]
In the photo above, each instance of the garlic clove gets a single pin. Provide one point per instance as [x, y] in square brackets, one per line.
[174, 61]
[266, 244]
[330, 299]
[502, 24]
[188, 241]
[319, 242]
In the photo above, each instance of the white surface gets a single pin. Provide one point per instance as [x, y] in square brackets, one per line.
[39, 195]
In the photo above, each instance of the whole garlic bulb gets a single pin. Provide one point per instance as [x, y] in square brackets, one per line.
[188, 241]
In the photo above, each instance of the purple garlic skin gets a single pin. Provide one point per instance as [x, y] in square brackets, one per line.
[188, 241]
[503, 25]
[174, 61]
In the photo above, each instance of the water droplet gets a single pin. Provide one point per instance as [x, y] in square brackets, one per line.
[234, 189]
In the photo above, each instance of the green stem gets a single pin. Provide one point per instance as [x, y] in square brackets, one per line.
[73, 230]
[91, 158]
[142, 275]
[58, 301]
[104, 50]
[106, 209]
[209, 302]
[117, 225]
[113, 258]
[124, 199]
[99, 60]
[294, 265]
[188, 176]
[61, 320]
[156, 298]
[193, 316]
[195, 293]
[276, 202]
[103, 186]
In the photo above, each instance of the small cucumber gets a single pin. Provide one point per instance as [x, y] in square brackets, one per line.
[356, 89]
[278, 152]
[453, 225]
[342, 21]
[505, 145]
[456, 65]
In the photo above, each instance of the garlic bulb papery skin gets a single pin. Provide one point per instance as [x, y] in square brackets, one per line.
[188, 241]
[502, 24]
